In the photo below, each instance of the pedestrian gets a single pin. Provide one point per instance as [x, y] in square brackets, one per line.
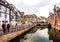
[16, 28]
[8, 27]
[4, 27]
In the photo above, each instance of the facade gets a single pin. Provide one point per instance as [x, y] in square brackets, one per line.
[22, 14]
[22, 18]
[32, 18]
[54, 18]
[42, 19]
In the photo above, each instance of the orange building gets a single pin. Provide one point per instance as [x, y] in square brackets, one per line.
[22, 14]
[54, 18]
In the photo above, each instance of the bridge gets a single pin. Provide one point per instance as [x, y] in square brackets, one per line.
[42, 24]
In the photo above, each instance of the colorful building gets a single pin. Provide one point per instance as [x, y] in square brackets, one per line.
[54, 18]
[32, 18]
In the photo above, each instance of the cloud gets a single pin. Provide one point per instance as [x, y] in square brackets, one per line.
[44, 11]
[54, 1]
[14, 1]
[40, 7]
[31, 6]
[36, 2]
[32, 2]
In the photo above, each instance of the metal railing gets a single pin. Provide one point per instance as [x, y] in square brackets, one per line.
[16, 28]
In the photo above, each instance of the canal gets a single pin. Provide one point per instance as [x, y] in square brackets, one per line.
[39, 35]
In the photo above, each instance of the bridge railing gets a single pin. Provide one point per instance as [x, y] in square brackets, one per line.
[16, 28]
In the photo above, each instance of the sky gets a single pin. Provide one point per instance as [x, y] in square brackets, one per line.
[38, 7]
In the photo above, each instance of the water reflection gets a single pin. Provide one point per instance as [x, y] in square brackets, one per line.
[38, 36]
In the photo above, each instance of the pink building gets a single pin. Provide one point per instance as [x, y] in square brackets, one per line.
[54, 18]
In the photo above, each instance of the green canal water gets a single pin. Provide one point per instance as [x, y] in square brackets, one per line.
[38, 36]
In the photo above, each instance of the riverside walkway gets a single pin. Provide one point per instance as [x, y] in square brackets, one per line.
[11, 35]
